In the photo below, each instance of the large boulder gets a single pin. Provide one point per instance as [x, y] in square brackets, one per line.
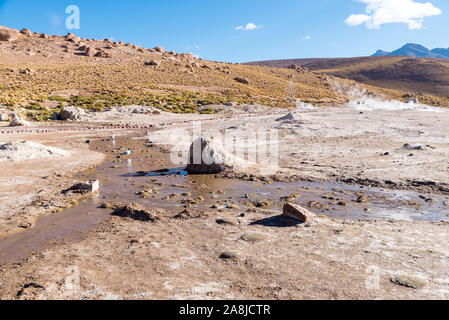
[159, 49]
[71, 114]
[188, 57]
[4, 117]
[90, 52]
[298, 213]
[206, 156]
[7, 34]
[26, 32]
[18, 122]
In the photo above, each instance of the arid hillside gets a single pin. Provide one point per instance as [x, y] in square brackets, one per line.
[40, 74]
[419, 75]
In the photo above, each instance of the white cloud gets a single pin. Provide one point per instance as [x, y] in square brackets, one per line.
[379, 12]
[249, 27]
[306, 38]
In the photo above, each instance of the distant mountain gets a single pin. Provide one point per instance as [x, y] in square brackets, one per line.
[441, 52]
[381, 53]
[416, 51]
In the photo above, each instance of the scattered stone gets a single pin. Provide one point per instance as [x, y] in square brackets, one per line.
[288, 117]
[241, 80]
[102, 54]
[298, 213]
[316, 205]
[228, 221]
[290, 197]
[69, 36]
[89, 186]
[107, 206]
[137, 212]
[152, 63]
[412, 100]
[189, 214]
[418, 147]
[410, 281]
[230, 255]
[362, 199]
[27, 71]
[254, 237]
[264, 204]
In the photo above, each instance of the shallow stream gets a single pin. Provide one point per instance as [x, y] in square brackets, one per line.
[146, 177]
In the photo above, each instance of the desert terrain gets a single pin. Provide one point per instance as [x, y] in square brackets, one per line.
[368, 163]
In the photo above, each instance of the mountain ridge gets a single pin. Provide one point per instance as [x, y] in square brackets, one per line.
[415, 50]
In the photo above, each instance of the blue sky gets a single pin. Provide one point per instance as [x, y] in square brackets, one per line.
[245, 30]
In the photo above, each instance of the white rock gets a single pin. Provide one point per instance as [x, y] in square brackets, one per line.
[18, 122]
[90, 186]
[71, 113]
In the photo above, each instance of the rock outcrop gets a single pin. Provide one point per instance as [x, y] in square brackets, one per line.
[159, 49]
[71, 114]
[8, 35]
[26, 32]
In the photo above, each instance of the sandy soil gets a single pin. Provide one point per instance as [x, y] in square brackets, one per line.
[329, 259]
[276, 259]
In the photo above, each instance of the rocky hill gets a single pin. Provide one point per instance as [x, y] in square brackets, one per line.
[40, 74]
